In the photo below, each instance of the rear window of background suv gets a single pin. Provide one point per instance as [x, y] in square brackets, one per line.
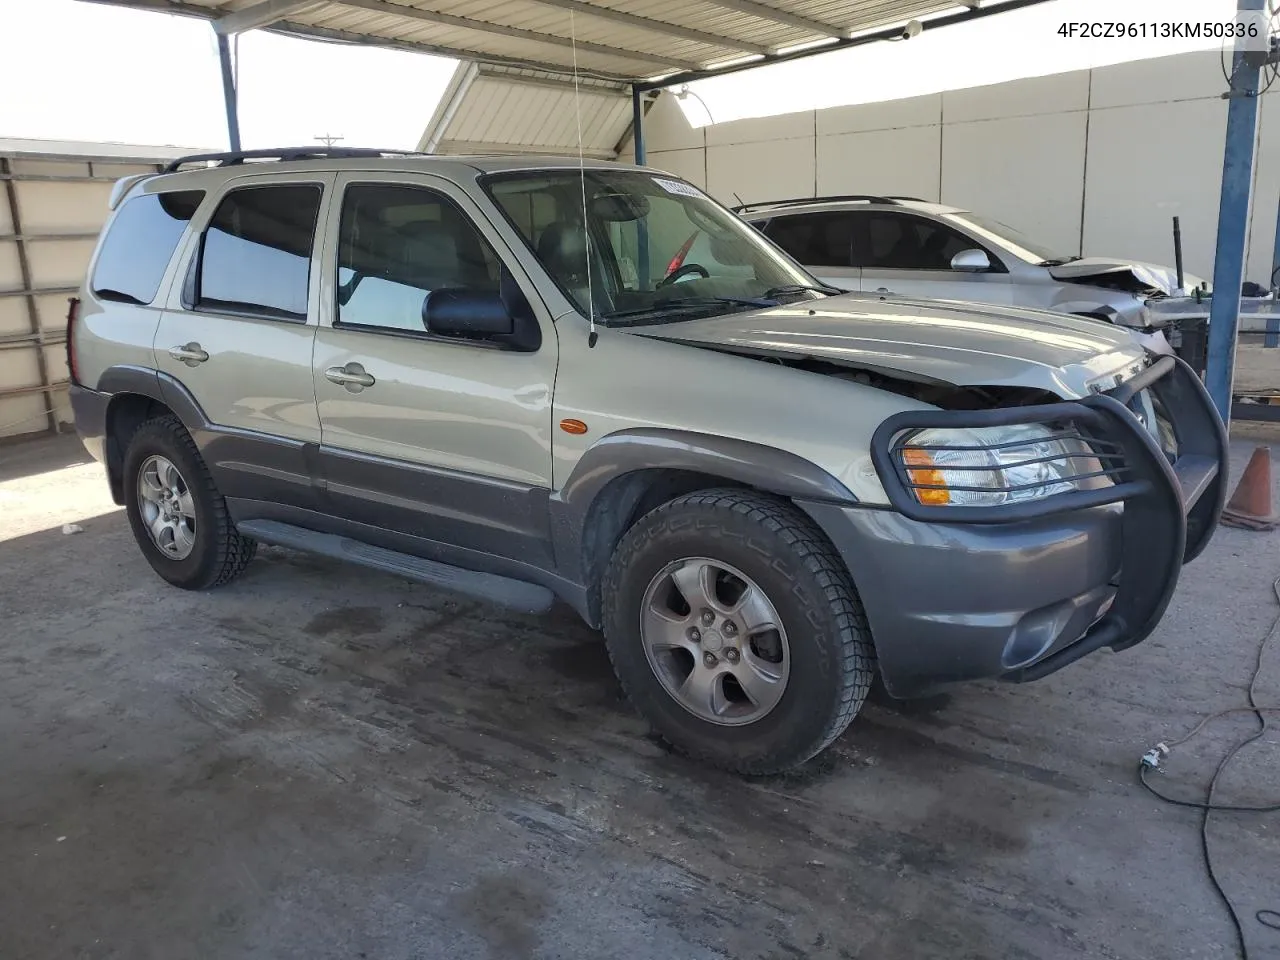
[140, 243]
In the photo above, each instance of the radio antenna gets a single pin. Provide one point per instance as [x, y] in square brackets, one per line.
[592, 336]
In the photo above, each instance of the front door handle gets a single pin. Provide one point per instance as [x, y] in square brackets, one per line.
[189, 353]
[883, 290]
[352, 376]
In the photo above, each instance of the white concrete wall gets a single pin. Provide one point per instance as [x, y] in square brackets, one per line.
[1095, 162]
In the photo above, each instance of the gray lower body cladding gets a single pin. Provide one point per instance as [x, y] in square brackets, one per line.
[953, 602]
[90, 410]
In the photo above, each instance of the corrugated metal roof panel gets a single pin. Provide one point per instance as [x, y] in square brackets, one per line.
[501, 111]
[623, 40]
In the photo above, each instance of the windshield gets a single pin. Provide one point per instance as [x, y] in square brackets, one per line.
[659, 248]
[1017, 243]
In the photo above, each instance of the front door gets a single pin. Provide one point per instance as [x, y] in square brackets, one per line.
[443, 439]
[237, 335]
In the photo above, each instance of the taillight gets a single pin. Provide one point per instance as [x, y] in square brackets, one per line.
[73, 314]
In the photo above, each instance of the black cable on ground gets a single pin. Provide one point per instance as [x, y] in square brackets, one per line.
[1268, 918]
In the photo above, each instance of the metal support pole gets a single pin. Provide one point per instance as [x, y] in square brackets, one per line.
[637, 124]
[229, 92]
[1233, 222]
[642, 226]
[1177, 255]
[1275, 258]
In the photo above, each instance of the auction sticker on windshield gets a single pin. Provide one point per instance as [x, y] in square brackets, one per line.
[675, 186]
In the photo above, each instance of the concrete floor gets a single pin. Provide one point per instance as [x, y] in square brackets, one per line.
[323, 762]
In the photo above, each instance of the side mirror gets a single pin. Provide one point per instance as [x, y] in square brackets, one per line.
[971, 261]
[473, 314]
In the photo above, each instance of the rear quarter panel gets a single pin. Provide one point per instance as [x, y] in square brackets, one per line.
[108, 333]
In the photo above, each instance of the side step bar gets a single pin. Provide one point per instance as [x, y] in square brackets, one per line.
[514, 594]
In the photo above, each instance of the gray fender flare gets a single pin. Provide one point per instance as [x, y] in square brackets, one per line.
[631, 452]
[159, 386]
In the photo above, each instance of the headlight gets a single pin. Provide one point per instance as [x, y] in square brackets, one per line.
[990, 466]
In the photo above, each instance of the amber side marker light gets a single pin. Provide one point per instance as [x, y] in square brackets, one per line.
[921, 469]
[573, 426]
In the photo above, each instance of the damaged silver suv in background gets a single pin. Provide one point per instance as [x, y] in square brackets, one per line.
[904, 246]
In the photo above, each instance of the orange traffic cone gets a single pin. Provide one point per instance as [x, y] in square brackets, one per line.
[1250, 506]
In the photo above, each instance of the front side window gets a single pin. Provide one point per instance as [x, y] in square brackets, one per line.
[140, 243]
[255, 258]
[814, 239]
[633, 247]
[396, 244]
[898, 241]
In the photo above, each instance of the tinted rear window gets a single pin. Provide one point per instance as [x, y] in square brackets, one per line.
[813, 239]
[140, 244]
[256, 256]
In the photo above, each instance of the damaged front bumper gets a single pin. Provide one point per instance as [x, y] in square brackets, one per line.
[1021, 590]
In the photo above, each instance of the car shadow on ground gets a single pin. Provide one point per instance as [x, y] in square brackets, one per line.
[30, 457]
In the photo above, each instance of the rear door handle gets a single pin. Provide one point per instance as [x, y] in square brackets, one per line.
[883, 290]
[189, 353]
[352, 376]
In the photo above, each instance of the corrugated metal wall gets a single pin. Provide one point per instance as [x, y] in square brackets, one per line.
[51, 209]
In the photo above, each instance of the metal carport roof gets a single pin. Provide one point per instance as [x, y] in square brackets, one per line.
[490, 109]
[631, 41]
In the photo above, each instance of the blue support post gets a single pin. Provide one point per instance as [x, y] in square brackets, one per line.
[229, 92]
[1233, 222]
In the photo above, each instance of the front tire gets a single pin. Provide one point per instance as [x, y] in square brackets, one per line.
[734, 628]
[179, 519]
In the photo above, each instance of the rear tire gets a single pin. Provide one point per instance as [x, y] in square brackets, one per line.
[801, 683]
[179, 519]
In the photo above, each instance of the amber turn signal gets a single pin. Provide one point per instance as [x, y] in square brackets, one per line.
[573, 426]
[921, 470]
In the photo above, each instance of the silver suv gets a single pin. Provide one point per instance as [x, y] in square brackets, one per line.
[493, 375]
[905, 246]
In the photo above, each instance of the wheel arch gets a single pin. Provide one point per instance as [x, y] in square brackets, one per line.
[137, 395]
[626, 474]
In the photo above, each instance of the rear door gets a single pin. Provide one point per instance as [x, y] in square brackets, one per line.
[439, 438]
[910, 255]
[237, 336]
[820, 242]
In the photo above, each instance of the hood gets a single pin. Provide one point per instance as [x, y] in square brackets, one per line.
[1130, 275]
[939, 341]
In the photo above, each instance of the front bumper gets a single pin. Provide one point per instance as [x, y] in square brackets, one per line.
[1020, 591]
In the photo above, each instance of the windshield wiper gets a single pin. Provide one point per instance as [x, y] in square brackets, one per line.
[801, 288]
[1059, 261]
[118, 295]
[691, 303]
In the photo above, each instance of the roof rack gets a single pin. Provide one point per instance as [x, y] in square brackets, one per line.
[801, 201]
[284, 153]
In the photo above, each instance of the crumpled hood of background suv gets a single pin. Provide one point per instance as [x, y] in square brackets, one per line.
[1138, 278]
[964, 344]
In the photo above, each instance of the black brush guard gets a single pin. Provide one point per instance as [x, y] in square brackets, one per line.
[1170, 508]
